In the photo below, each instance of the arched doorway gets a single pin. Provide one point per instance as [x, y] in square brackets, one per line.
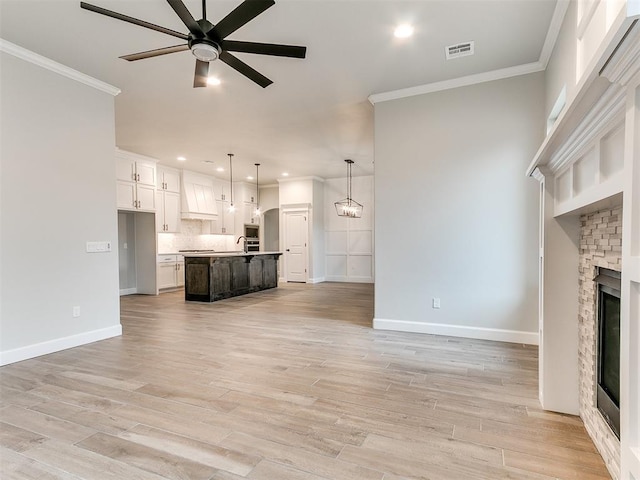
[271, 239]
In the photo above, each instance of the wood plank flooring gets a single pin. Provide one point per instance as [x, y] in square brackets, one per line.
[284, 384]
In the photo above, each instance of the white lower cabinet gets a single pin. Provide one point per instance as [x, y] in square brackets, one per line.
[170, 271]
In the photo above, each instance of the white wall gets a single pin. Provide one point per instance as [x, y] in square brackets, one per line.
[126, 250]
[455, 216]
[561, 69]
[269, 197]
[307, 193]
[349, 241]
[318, 270]
[57, 192]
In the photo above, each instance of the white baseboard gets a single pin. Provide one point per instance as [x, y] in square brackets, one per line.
[343, 279]
[480, 333]
[316, 280]
[51, 346]
[128, 291]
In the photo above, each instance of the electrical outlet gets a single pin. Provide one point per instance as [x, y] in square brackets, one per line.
[436, 302]
[76, 311]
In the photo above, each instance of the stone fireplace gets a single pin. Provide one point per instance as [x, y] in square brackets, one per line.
[600, 247]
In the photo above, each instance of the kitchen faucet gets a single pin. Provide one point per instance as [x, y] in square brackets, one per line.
[246, 247]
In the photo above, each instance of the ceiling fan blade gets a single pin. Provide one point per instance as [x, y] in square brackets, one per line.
[243, 13]
[155, 53]
[135, 21]
[245, 69]
[201, 75]
[292, 51]
[186, 17]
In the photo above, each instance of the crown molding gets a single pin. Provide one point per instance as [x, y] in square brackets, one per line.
[135, 156]
[457, 82]
[554, 30]
[48, 64]
[298, 179]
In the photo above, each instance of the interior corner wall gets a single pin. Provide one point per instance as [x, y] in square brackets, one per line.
[57, 192]
[456, 219]
[561, 69]
[318, 254]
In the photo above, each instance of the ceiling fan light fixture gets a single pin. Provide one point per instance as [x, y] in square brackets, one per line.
[204, 52]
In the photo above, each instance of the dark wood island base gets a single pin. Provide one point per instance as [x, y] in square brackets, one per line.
[215, 276]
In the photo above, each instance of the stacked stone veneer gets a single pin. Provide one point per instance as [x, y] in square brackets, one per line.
[600, 246]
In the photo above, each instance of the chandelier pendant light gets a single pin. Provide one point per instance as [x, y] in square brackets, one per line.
[257, 210]
[232, 208]
[349, 207]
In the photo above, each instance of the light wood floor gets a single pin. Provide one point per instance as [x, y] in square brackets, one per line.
[285, 384]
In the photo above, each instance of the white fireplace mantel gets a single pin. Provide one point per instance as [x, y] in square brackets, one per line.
[591, 160]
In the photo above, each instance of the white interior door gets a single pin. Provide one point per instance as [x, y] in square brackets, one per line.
[296, 236]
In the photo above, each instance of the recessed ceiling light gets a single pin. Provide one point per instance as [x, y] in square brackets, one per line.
[249, 177]
[181, 158]
[403, 31]
[219, 169]
[213, 81]
[285, 174]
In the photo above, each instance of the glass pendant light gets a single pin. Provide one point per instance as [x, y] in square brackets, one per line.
[232, 208]
[257, 210]
[349, 207]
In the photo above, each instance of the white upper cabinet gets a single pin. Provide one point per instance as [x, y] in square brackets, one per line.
[245, 192]
[168, 200]
[135, 182]
[168, 179]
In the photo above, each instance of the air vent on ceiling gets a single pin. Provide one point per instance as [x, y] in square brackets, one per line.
[459, 50]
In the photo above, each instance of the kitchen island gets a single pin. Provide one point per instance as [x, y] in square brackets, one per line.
[215, 276]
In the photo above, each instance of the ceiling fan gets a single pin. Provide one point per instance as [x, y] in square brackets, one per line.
[207, 41]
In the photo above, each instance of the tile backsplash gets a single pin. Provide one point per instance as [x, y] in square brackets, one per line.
[192, 238]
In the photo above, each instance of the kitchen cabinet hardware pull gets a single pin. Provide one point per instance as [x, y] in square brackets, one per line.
[138, 177]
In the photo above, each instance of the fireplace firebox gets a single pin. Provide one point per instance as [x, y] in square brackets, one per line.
[608, 360]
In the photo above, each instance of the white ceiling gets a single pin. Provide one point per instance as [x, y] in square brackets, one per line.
[316, 112]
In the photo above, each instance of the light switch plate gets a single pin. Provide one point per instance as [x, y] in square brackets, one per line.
[98, 247]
